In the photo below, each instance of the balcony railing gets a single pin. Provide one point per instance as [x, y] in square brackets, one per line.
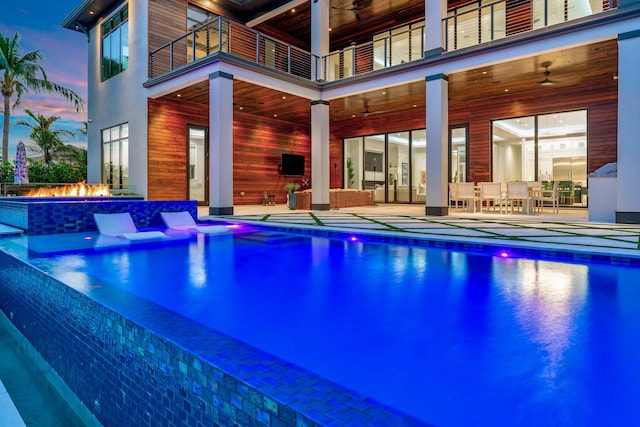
[222, 35]
[464, 27]
[383, 52]
[469, 26]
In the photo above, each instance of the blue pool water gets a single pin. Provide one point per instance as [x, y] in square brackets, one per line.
[453, 338]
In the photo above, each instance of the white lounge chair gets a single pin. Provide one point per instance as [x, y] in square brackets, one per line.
[121, 225]
[184, 221]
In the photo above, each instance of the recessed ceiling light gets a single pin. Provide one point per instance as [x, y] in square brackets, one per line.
[241, 107]
[91, 12]
[178, 95]
[415, 105]
[293, 11]
[353, 115]
[384, 93]
[506, 90]
[275, 115]
[484, 72]
[284, 97]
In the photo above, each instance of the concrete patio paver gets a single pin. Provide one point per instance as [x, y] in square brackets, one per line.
[567, 231]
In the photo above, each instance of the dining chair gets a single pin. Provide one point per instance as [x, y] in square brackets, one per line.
[548, 196]
[467, 193]
[518, 192]
[453, 195]
[492, 193]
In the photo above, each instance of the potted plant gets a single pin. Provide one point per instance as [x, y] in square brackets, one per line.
[350, 173]
[292, 187]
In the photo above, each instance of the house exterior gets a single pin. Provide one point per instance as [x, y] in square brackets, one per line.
[200, 99]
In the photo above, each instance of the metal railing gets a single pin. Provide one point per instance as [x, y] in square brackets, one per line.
[464, 27]
[223, 35]
[467, 27]
[383, 52]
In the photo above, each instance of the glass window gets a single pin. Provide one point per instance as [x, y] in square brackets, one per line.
[493, 24]
[513, 149]
[546, 148]
[115, 44]
[418, 171]
[562, 154]
[374, 166]
[353, 173]
[392, 165]
[115, 156]
[458, 159]
[197, 15]
[398, 166]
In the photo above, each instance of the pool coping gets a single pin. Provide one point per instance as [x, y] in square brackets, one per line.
[542, 250]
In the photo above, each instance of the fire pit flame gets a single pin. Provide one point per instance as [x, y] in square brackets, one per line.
[81, 189]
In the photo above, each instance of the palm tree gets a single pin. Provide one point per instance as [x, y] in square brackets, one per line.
[21, 74]
[48, 139]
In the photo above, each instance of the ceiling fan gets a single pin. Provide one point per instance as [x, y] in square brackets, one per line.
[356, 6]
[367, 113]
[546, 81]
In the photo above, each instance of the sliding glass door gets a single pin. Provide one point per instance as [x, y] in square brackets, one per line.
[197, 158]
[391, 165]
[546, 148]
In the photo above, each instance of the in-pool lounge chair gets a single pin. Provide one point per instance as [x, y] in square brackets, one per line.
[121, 225]
[185, 222]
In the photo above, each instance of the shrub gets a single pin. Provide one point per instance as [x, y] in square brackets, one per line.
[6, 172]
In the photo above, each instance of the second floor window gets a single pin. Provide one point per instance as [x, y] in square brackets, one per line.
[115, 44]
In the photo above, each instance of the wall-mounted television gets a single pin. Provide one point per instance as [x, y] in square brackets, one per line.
[292, 164]
[373, 161]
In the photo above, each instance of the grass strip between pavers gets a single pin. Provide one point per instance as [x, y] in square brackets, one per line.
[266, 217]
[316, 219]
[390, 227]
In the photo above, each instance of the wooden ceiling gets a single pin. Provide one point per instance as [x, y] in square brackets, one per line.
[350, 21]
[568, 67]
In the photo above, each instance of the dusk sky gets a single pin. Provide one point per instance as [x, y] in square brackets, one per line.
[65, 60]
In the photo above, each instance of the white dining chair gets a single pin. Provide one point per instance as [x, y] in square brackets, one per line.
[492, 193]
[518, 193]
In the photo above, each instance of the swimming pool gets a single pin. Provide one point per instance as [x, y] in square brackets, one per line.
[450, 337]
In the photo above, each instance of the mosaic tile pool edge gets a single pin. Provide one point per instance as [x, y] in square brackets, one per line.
[128, 375]
[54, 217]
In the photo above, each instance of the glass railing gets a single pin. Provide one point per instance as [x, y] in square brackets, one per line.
[483, 22]
[222, 35]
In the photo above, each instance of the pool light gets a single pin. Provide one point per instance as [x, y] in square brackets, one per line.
[353, 238]
[88, 238]
[504, 254]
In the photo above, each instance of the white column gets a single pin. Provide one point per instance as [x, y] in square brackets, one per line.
[220, 143]
[434, 11]
[628, 205]
[437, 110]
[320, 168]
[319, 35]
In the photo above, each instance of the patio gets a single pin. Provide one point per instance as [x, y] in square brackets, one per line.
[568, 231]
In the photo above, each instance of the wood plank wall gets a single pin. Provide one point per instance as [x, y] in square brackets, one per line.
[167, 146]
[258, 144]
[167, 21]
[600, 99]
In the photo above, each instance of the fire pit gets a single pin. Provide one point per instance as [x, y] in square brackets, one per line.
[81, 189]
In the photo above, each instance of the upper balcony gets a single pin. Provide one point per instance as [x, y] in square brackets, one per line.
[463, 27]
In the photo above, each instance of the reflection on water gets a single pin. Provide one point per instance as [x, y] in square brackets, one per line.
[545, 298]
[453, 338]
